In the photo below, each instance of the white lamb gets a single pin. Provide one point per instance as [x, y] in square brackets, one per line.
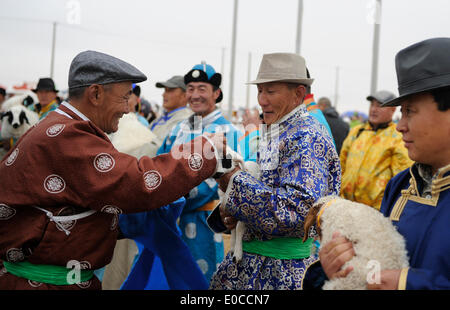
[376, 242]
[134, 138]
[237, 233]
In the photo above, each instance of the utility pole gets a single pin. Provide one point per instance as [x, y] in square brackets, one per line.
[233, 56]
[375, 46]
[298, 38]
[222, 67]
[336, 88]
[249, 73]
[52, 60]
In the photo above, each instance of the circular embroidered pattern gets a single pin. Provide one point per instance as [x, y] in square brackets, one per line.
[195, 74]
[12, 157]
[85, 284]
[67, 225]
[115, 211]
[114, 222]
[55, 130]
[190, 230]
[152, 179]
[6, 212]
[14, 255]
[34, 283]
[195, 161]
[111, 209]
[104, 162]
[203, 264]
[54, 184]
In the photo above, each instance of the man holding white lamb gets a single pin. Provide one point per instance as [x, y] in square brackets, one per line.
[417, 200]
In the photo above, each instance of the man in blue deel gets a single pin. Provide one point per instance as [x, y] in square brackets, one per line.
[417, 200]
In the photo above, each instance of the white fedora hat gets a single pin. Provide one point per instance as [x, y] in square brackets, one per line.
[282, 67]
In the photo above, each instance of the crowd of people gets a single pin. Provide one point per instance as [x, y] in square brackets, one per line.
[175, 204]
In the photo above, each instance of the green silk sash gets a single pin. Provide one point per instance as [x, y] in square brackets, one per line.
[279, 248]
[50, 274]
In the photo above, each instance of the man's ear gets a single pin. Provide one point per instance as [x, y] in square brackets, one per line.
[95, 93]
[217, 93]
[300, 91]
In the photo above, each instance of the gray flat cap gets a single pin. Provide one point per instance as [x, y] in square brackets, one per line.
[91, 67]
[176, 81]
[382, 96]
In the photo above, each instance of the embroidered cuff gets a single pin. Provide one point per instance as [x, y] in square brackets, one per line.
[402, 279]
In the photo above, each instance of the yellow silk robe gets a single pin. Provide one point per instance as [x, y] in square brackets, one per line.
[369, 160]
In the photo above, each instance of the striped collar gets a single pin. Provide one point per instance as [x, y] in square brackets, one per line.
[73, 109]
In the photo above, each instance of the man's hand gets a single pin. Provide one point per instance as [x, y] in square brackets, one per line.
[225, 179]
[389, 280]
[251, 118]
[335, 254]
[229, 221]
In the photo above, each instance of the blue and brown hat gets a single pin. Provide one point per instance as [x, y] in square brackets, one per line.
[205, 73]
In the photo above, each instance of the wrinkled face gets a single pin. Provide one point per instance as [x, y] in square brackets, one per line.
[113, 105]
[201, 97]
[426, 130]
[173, 98]
[278, 99]
[45, 96]
[378, 114]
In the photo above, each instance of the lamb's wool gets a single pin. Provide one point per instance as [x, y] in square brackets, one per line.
[374, 239]
[134, 138]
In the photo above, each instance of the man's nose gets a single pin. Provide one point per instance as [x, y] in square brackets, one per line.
[194, 94]
[402, 125]
[262, 100]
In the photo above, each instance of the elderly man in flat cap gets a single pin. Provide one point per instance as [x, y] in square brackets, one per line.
[416, 200]
[298, 164]
[63, 214]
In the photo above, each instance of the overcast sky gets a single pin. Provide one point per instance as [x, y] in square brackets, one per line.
[167, 37]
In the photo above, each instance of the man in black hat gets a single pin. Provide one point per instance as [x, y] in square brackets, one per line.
[48, 97]
[63, 184]
[417, 199]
